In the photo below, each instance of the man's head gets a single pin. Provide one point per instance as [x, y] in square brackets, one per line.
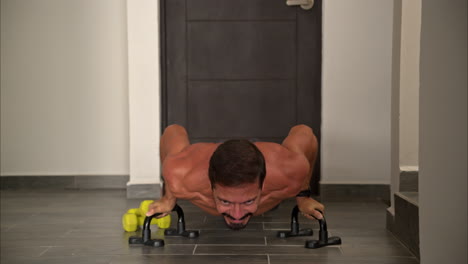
[237, 171]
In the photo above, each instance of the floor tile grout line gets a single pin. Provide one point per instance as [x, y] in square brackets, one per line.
[235, 245]
[268, 258]
[194, 249]
[43, 252]
[244, 245]
[232, 254]
[341, 251]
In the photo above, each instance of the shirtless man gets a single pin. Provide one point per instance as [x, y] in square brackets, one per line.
[237, 179]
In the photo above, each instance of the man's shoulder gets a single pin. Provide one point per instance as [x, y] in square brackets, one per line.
[275, 152]
[269, 148]
[179, 165]
[285, 165]
[193, 152]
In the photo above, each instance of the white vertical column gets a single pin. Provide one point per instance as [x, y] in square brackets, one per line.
[409, 84]
[144, 96]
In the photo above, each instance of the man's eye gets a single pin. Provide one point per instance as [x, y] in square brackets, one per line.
[249, 202]
[225, 202]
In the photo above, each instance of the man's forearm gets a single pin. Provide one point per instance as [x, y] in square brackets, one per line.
[305, 192]
[167, 194]
[306, 203]
[305, 187]
[164, 205]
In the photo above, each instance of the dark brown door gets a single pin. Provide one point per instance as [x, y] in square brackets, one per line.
[241, 69]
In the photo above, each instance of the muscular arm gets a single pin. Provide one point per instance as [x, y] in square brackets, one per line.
[302, 140]
[173, 140]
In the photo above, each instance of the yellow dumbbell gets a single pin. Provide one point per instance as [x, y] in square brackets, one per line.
[144, 207]
[163, 222]
[130, 222]
[136, 216]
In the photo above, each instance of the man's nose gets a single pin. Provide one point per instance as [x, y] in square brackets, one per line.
[237, 212]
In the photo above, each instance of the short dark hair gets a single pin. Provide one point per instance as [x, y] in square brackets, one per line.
[237, 162]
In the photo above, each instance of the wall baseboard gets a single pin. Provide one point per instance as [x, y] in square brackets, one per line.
[67, 182]
[355, 192]
[409, 181]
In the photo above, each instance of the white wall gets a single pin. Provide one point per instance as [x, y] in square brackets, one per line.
[64, 98]
[409, 84]
[356, 91]
[443, 132]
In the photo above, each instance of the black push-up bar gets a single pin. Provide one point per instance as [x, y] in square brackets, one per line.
[323, 241]
[295, 231]
[145, 238]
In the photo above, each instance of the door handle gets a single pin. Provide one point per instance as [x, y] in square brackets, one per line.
[305, 4]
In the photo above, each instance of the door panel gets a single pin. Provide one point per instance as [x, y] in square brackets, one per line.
[239, 10]
[237, 108]
[210, 43]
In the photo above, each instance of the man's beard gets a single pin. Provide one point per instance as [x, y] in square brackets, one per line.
[236, 226]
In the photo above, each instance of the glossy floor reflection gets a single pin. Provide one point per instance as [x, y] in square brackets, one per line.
[70, 227]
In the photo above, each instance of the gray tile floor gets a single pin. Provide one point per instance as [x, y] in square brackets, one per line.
[85, 227]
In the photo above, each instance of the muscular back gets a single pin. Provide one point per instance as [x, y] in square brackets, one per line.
[186, 174]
